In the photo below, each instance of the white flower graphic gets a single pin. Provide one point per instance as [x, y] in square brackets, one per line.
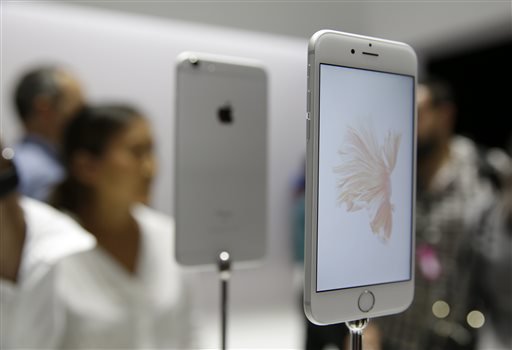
[364, 176]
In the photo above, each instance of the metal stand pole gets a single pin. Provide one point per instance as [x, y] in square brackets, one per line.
[356, 333]
[224, 274]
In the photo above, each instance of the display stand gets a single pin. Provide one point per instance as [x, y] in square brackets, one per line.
[356, 333]
[224, 264]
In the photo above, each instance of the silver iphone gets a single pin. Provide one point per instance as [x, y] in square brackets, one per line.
[220, 159]
[360, 180]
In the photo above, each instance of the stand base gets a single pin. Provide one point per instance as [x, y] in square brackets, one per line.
[356, 333]
[224, 264]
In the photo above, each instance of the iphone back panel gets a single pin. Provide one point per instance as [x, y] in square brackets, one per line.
[220, 159]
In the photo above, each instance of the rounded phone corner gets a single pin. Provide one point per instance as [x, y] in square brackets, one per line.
[183, 258]
[316, 37]
[312, 314]
[410, 299]
[410, 50]
[259, 70]
[179, 260]
[405, 304]
[183, 57]
[308, 311]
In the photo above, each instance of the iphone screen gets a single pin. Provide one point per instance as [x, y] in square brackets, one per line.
[365, 178]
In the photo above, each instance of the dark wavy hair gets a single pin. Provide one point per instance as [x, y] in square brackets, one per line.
[91, 131]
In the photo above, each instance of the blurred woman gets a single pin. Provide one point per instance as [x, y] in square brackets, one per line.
[127, 292]
[33, 237]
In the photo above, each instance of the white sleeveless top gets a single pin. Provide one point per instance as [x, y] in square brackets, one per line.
[106, 307]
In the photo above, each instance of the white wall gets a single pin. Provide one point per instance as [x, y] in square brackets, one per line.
[128, 58]
[425, 24]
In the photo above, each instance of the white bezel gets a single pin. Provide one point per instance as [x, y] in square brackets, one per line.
[334, 48]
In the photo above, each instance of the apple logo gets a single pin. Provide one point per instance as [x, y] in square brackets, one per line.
[225, 114]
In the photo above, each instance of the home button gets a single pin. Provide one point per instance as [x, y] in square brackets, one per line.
[366, 301]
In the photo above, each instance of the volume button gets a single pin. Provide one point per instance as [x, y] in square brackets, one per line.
[308, 128]
[308, 101]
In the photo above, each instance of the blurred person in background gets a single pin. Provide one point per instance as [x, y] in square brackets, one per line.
[12, 223]
[46, 98]
[496, 258]
[33, 238]
[455, 200]
[127, 292]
